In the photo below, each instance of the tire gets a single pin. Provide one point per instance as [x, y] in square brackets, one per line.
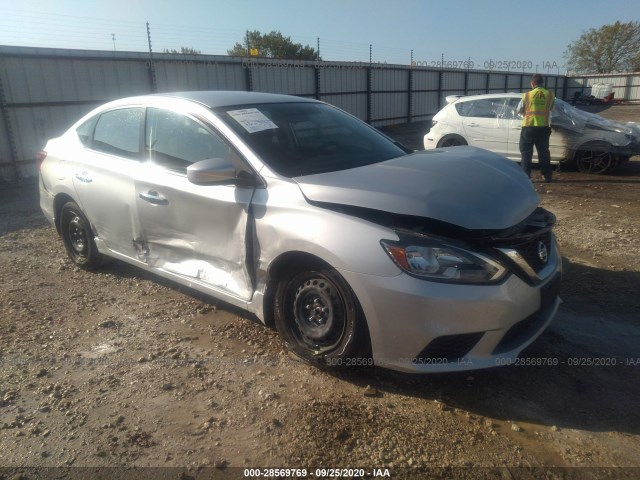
[451, 141]
[78, 238]
[596, 160]
[319, 319]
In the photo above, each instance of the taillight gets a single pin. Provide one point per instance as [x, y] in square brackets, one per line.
[40, 156]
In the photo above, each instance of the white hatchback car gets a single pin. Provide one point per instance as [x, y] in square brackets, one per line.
[595, 144]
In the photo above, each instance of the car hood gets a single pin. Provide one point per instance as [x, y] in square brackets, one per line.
[572, 118]
[464, 186]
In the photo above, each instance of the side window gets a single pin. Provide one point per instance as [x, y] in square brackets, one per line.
[85, 131]
[512, 104]
[486, 108]
[462, 108]
[175, 141]
[118, 132]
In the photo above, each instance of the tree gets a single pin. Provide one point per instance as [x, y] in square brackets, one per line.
[273, 45]
[611, 48]
[183, 50]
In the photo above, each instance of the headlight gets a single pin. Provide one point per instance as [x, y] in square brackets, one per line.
[433, 123]
[432, 260]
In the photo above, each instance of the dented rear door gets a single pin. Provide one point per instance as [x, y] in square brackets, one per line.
[193, 231]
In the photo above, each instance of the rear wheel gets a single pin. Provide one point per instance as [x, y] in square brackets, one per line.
[451, 141]
[78, 237]
[319, 319]
[596, 160]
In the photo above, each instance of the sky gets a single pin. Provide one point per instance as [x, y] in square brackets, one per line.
[483, 32]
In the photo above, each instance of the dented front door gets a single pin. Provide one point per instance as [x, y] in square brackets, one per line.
[196, 232]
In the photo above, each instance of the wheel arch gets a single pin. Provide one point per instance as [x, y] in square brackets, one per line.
[290, 263]
[452, 136]
[284, 265]
[58, 203]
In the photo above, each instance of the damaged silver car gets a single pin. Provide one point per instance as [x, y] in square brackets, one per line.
[359, 250]
[595, 144]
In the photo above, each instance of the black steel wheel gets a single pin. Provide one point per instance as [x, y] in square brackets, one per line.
[78, 237]
[451, 141]
[596, 160]
[318, 318]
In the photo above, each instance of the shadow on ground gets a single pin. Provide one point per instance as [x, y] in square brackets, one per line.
[591, 377]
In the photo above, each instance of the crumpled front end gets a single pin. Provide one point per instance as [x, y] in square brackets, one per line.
[418, 325]
[580, 128]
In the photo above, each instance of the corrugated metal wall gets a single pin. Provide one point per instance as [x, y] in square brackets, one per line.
[346, 88]
[46, 90]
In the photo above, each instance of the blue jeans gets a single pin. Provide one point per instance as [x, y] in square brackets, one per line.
[538, 136]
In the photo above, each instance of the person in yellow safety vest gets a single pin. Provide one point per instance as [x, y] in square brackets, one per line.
[536, 107]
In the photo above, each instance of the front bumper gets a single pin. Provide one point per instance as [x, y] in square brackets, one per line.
[430, 141]
[421, 326]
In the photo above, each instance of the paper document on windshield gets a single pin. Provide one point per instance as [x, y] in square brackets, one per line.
[252, 119]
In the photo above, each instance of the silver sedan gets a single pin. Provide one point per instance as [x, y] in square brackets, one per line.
[359, 250]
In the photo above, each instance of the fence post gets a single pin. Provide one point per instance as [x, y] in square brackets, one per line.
[466, 83]
[248, 76]
[13, 150]
[317, 76]
[152, 67]
[440, 75]
[410, 95]
[369, 95]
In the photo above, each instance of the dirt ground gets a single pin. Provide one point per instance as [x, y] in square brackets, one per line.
[118, 368]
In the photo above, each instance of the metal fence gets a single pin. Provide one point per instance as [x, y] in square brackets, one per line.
[43, 91]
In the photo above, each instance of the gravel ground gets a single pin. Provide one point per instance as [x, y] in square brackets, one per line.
[118, 368]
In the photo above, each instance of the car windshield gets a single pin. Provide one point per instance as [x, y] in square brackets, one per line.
[296, 139]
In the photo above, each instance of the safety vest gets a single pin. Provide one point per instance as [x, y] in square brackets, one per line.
[537, 107]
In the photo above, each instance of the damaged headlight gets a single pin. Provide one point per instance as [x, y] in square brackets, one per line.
[432, 260]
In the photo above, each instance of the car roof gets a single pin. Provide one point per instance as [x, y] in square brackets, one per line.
[213, 99]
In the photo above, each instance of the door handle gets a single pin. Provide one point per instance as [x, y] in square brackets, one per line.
[471, 124]
[516, 128]
[83, 177]
[154, 197]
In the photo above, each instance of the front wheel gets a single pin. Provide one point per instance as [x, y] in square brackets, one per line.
[319, 319]
[78, 237]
